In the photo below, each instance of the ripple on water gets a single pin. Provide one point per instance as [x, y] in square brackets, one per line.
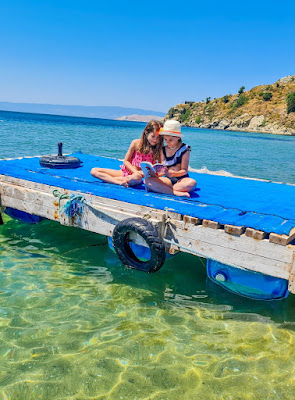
[78, 325]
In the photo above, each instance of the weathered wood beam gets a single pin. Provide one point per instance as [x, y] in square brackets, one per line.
[282, 239]
[192, 220]
[291, 286]
[101, 215]
[255, 234]
[238, 251]
[234, 230]
[211, 224]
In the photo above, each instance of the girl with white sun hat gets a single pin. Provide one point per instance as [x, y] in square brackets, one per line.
[175, 157]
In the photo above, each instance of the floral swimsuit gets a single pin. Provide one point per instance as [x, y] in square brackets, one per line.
[137, 158]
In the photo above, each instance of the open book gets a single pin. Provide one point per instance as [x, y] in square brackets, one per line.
[150, 169]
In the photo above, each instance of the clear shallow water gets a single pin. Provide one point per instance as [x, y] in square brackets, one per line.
[75, 324]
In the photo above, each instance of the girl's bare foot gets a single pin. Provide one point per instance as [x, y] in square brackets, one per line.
[124, 183]
[181, 194]
[134, 179]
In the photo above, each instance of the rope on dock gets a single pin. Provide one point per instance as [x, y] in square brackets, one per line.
[56, 193]
[74, 207]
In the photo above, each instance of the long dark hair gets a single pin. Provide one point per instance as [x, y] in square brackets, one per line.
[144, 146]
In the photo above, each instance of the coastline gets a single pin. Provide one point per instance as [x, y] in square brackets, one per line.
[262, 109]
[282, 132]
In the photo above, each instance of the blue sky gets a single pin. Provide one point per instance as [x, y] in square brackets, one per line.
[150, 55]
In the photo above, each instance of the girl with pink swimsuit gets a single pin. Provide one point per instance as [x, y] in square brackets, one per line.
[147, 148]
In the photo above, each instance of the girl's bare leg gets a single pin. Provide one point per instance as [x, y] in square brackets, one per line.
[116, 177]
[112, 172]
[185, 185]
[109, 175]
[134, 179]
[159, 185]
[163, 185]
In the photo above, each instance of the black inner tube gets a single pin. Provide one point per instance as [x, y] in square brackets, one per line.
[59, 161]
[121, 242]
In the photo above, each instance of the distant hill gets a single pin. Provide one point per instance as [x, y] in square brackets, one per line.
[139, 118]
[106, 112]
[264, 108]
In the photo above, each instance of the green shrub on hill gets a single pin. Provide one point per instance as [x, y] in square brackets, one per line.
[184, 117]
[210, 111]
[240, 101]
[198, 119]
[241, 90]
[290, 102]
[226, 98]
[171, 112]
[208, 100]
[267, 96]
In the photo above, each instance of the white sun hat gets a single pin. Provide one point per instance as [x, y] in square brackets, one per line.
[171, 128]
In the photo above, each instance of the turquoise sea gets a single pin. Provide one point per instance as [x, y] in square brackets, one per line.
[76, 324]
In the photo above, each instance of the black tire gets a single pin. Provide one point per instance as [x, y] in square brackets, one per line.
[60, 162]
[151, 236]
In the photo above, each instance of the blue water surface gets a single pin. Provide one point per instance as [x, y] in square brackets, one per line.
[256, 155]
[76, 324]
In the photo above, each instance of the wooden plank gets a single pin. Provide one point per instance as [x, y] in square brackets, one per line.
[211, 224]
[93, 219]
[192, 220]
[34, 204]
[239, 251]
[124, 206]
[282, 239]
[96, 217]
[234, 230]
[291, 286]
[256, 234]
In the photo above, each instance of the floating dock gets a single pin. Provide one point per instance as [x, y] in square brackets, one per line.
[243, 223]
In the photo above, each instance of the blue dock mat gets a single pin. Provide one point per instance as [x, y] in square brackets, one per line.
[266, 206]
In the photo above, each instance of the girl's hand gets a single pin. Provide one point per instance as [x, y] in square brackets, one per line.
[169, 174]
[151, 172]
[163, 171]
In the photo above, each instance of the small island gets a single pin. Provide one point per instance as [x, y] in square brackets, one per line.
[264, 108]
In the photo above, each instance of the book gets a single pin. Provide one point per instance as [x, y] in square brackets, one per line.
[151, 170]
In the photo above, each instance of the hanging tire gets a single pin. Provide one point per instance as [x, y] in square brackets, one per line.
[150, 235]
